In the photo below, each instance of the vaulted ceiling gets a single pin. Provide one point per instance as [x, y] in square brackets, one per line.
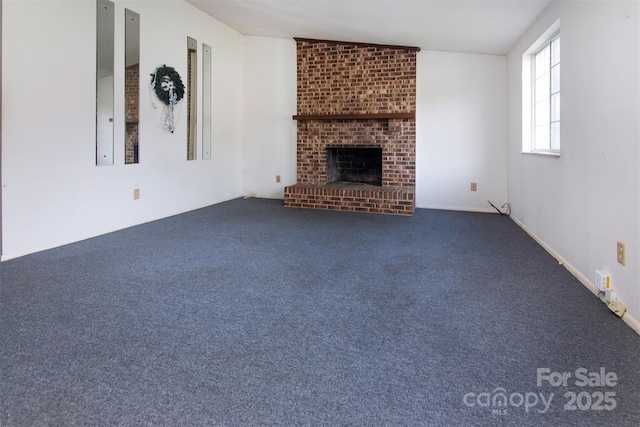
[470, 26]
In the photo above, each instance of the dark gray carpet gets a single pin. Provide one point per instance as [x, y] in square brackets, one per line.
[248, 313]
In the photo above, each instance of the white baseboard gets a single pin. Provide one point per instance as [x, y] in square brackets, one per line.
[117, 227]
[627, 318]
[458, 208]
[632, 322]
[261, 196]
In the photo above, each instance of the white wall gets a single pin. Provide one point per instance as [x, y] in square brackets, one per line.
[52, 191]
[461, 131]
[270, 102]
[580, 204]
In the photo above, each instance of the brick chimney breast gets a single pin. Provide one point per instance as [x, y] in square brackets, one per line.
[350, 96]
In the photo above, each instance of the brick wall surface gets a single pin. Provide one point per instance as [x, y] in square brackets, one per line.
[131, 95]
[345, 78]
[339, 78]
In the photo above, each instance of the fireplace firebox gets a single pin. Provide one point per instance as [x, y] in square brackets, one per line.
[355, 165]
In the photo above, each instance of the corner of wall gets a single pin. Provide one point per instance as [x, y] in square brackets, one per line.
[627, 317]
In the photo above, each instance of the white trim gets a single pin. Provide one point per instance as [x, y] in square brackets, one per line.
[457, 208]
[80, 238]
[550, 34]
[632, 322]
[543, 153]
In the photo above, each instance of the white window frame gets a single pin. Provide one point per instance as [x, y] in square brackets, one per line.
[528, 94]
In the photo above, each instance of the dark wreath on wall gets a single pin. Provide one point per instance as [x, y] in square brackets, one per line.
[168, 87]
[167, 82]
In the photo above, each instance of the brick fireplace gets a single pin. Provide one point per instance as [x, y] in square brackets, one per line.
[356, 127]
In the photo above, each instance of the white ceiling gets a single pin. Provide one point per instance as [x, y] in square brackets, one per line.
[469, 26]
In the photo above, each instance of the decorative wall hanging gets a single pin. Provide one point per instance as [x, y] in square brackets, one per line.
[168, 87]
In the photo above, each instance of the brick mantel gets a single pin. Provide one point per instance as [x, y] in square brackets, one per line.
[355, 95]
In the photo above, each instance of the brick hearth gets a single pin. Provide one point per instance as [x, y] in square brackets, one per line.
[353, 95]
[345, 196]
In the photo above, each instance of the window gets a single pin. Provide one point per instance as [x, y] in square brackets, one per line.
[541, 95]
[546, 97]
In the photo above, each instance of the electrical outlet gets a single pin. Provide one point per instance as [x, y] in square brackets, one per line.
[277, 178]
[136, 193]
[474, 186]
[622, 255]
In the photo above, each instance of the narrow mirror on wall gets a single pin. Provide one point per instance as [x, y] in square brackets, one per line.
[104, 82]
[206, 101]
[131, 85]
[192, 72]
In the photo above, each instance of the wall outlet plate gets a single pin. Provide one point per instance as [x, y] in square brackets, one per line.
[622, 253]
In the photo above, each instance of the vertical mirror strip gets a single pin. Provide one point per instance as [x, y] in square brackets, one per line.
[131, 85]
[192, 72]
[105, 20]
[206, 101]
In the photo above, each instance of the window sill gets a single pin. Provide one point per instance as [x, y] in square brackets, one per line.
[543, 153]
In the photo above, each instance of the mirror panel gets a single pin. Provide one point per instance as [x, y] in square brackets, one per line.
[131, 85]
[192, 73]
[206, 101]
[105, 20]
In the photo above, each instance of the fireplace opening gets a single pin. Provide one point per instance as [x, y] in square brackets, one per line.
[355, 164]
